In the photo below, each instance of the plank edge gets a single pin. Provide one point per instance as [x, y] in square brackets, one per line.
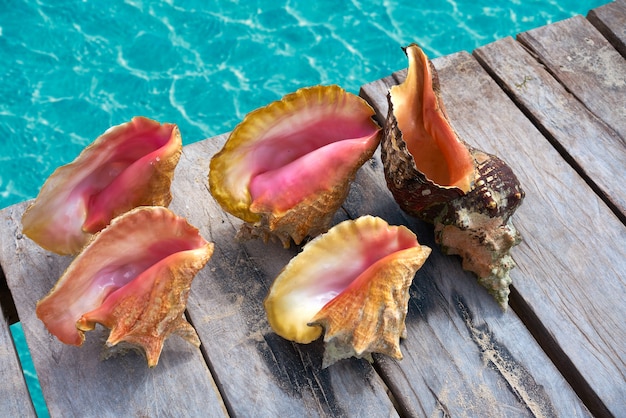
[558, 357]
[594, 17]
[618, 211]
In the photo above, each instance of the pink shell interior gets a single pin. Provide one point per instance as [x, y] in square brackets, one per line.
[291, 152]
[304, 157]
[124, 170]
[358, 270]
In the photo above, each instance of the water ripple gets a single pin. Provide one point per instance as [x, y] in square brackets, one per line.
[72, 68]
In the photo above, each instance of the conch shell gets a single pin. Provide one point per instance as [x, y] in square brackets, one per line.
[134, 278]
[353, 282]
[467, 194]
[130, 165]
[287, 167]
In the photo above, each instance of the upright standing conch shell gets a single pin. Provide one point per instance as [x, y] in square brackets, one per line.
[287, 167]
[353, 282]
[129, 165]
[469, 195]
[134, 278]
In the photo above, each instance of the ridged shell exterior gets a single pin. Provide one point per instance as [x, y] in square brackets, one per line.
[134, 278]
[321, 135]
[352, 283]
[473, 223]
[130, 165]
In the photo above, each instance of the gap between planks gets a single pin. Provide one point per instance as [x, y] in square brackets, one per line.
[6, 301]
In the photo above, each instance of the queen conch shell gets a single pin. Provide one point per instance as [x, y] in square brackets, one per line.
[130, 165]
[287, 167]
[351, 282]
[134, 278]
[467, 194]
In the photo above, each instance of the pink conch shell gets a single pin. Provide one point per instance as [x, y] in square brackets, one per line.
[353, 282]
[133, 277]
[467, 194]
[287, 167]
[130, 165]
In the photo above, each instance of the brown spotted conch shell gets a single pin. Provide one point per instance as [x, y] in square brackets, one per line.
[467, 194]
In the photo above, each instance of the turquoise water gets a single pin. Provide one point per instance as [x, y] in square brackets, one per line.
[29, 370]
[71, 69]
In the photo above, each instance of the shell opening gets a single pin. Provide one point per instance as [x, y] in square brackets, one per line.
[290, 149]
[279, 188]
[125, 270]
[433, 143]
[102, 186]
[329, 265]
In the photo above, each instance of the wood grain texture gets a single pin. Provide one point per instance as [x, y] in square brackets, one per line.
[77, 380]
[259, 373]
[586, 64]
[571, 270]
[610, 20]
[463, 356]
[597, 152]
[461, 348]
[14, 397]
[571, 265]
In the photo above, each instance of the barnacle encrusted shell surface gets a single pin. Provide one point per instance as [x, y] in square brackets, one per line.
[467, 194]
[134, 278]
[130, 165]
[287, 167]
[352, 283]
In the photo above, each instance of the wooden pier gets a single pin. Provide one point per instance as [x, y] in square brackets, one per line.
[552, 103]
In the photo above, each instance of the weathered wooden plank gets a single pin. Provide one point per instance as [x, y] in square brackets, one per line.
[463, 355]
[597, 152]
[14, 397]
[259, 373]
[586, 64]
[76, 380]
[571, 275]
[558, 276]
[610, 20]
